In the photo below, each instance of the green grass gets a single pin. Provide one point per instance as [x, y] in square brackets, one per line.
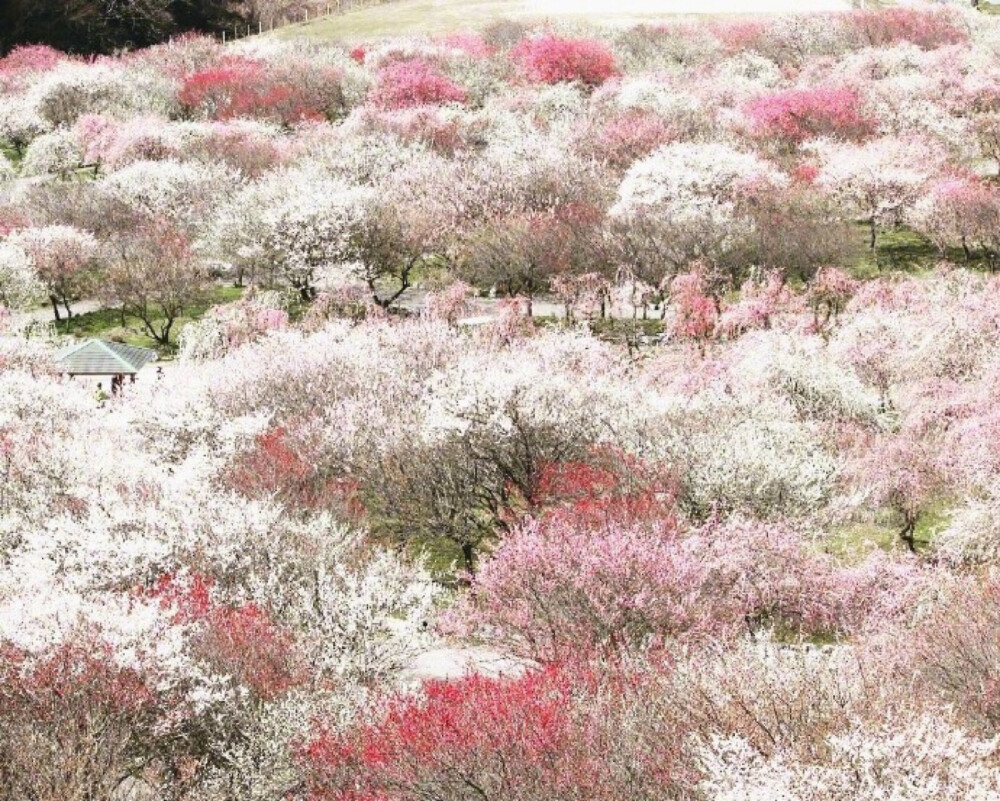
[852, 542]
[441, 557]
[905, 250]
[990, 8]
[402, 18]
[898, 249]
[12, 155]
[414, 17]
[107, 323]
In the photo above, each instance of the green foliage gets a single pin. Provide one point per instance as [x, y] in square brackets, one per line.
[104, 26]
[13, 154]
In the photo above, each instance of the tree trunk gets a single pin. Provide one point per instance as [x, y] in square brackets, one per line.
[874, 234]
[469, 557]
[55, 306]
[908, 535]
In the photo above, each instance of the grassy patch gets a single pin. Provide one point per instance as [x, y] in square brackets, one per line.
[608, 328]
[441, 557]
[616, 327]
[407, 17]
[898, 249]
[431, 17]
[107, 323]
[905, 250]
[853, 542]
[12, 155]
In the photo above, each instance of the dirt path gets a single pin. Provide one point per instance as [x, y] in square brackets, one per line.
[453, 663]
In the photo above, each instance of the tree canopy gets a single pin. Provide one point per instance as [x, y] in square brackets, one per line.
[104, 26]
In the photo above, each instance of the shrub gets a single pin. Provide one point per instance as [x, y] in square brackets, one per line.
[926, 28]
[53, 153]
[627, 137]
[279, 465]
[238, 641]
[73, 723]
[551, 59]
[957, 653]
[558, 734]
[795, 115]
[242, 87]
[25, 61]
[413, 82]
[569, 585]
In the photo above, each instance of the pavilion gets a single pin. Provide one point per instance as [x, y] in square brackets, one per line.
[98, 357]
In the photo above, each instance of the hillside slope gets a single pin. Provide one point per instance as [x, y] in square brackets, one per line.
[442, 16]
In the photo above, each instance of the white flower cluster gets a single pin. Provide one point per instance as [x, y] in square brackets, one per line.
[880, 178]
[803, 371]
[54, 153]
[922, 759]
[6, 168]
[686, 181]
[19, 284]
[72, 89]
[181, 192]
[297, 222]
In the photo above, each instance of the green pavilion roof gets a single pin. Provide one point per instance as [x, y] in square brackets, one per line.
[100, 357]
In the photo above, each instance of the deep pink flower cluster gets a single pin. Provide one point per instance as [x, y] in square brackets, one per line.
[552, 59]
[799, 114]
[413, 82]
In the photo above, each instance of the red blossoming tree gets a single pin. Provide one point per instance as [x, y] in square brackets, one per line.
[413, 82]
[242, 87]
[553, 59]
[74, 724]
[795, 115]
[547, 734]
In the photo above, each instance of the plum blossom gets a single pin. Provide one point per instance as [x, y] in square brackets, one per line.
[683, 181]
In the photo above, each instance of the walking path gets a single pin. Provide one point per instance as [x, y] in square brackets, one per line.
[43, 314]
[454, 663]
